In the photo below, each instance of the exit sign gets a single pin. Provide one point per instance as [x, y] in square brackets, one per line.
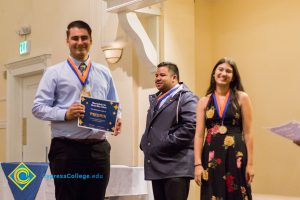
[24, 47]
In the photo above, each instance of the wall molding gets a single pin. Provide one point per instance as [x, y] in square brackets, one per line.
[119, 6]
[28, 65]
[145, 49]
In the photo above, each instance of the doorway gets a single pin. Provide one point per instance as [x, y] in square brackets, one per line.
[28, 138]
[36, 135]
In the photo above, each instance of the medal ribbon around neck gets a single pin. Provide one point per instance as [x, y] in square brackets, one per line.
[166, 95]
[82, 78]
[221, 109]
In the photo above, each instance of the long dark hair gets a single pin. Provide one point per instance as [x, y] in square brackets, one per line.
[235, 84]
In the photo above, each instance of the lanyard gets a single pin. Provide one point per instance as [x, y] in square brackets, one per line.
[81, 77]
[221, 108]
[166, 95]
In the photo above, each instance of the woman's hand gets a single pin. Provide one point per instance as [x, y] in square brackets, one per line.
[198, 174]
[249, 174]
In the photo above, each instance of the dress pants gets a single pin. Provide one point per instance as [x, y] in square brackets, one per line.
[80, 168]
[171, 188]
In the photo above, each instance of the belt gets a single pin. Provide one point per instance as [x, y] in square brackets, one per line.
[82, 141]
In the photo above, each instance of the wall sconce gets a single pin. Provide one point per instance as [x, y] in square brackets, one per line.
[112, 55]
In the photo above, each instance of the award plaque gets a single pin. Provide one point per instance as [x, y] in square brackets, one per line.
[99, 114]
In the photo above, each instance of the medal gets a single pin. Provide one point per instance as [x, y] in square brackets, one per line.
[221, 109]
[222, 129]
[210, 113]
[86, 91]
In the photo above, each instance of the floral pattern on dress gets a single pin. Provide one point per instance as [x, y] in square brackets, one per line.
[239, 157]
[208, 138]
[228, 141]
[205, 175]
[224, 156]
[244, 193]
[212, 161]
[230, 185]
[216, 198]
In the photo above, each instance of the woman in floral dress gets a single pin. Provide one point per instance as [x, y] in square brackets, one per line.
[224, 164]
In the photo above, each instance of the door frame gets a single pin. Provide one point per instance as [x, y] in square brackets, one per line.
[15, 72]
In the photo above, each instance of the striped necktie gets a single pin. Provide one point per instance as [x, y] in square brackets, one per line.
[82, 68]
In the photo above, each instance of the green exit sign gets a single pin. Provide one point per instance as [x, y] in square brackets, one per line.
[24, 47]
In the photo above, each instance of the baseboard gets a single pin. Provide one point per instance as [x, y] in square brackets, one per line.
[273, 197]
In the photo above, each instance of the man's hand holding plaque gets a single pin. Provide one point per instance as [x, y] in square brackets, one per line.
[100, 114]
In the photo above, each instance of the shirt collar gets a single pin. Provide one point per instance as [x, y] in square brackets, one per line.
[77, 63]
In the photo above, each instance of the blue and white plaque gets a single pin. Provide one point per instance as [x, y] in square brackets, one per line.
[99, 114]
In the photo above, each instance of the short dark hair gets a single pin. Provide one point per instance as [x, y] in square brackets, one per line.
[171, 66]
[79, 24]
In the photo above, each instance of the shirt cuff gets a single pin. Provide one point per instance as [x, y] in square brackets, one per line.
[119, 115]
[61, 114]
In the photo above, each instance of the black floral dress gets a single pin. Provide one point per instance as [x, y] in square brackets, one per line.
[224, 154]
